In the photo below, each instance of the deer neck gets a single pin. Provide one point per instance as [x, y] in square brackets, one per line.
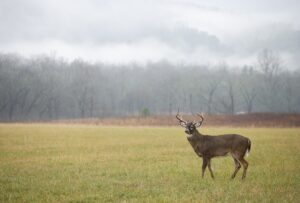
[195, 136]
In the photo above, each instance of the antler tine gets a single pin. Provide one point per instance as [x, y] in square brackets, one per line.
[201, 116]
[180, 118]
[200, 122]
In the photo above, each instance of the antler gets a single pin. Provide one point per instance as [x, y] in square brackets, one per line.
[199, 123]
[182, 122]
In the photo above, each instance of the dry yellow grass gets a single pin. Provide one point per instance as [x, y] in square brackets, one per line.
[78, 163]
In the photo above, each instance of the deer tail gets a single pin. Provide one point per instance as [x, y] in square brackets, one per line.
[248, 147]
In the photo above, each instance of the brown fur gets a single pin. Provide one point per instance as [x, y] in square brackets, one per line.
[207, 147]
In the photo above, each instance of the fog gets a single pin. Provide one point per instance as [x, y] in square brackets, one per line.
[115, 31]
[79, 59]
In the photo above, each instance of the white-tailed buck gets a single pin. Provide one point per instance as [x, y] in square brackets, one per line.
[207, 146]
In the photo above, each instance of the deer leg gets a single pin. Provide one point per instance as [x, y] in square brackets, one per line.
[204, 164]
[237, 167]
[211, 172]
[245, 165]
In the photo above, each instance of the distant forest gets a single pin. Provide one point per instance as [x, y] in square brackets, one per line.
[50, 88]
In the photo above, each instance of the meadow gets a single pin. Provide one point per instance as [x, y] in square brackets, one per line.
[89, 163]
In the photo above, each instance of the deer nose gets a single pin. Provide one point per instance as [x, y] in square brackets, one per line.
[187, 131]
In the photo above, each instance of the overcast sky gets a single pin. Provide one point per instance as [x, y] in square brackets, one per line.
[181, 31]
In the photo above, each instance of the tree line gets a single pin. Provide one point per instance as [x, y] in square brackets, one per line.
[49, 88]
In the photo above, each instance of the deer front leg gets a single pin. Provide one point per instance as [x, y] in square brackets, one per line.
[204, 164]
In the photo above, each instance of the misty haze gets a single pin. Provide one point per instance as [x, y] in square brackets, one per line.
[129, 101]
[113, 58]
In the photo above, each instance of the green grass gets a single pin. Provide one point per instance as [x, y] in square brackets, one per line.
[69, 163]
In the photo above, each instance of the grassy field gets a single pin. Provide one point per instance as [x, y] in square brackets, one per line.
[81, 163]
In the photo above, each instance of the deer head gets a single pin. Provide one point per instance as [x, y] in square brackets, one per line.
[190, 127]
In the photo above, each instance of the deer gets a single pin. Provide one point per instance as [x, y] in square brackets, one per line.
[209, 146]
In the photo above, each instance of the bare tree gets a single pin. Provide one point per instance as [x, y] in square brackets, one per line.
[269, 63]
[227, 94]
[290, 87]
[208, 90]
[48, 88]
[228, 101]
[248, 88]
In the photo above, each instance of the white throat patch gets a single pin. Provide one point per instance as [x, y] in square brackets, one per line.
[189, 135]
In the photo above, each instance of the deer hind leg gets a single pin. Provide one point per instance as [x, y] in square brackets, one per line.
[237, 167]
[245, 165]
[211, 172]
[204, 164]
